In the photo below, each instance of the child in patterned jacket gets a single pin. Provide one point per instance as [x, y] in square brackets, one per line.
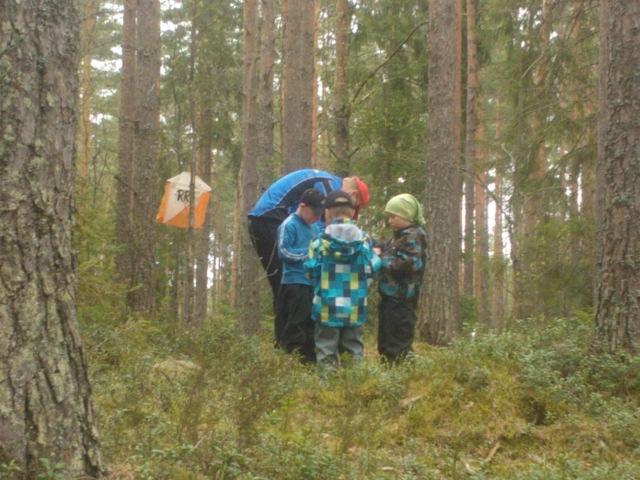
[341, 265]
[403, 262]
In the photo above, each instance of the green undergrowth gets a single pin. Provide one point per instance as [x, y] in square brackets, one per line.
[531, 403]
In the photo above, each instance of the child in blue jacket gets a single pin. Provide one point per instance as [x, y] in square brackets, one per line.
[293, 325]
[341, 265]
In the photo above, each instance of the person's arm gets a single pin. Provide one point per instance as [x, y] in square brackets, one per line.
[373, 256]
[286, 244]
[313, 263]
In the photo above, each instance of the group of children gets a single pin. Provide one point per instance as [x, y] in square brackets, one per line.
[321, 305]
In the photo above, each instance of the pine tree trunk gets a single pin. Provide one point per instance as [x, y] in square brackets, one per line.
[498, 264]
[469, 205]
[265, 119]
[145, 182]
[497, 294]
[476, 180]
[45, 392]
[617, 296]
[248, 273]
[314, 92]
[204, 132]
[588, 174]
[439, 313]
[297, 83]
[532, 186]
[574, 207]
[471, 135]
[481, 282]
[533, 206]
[235, 295]
[126, 146]
[195, 160]
[87, 25]
[341, 110]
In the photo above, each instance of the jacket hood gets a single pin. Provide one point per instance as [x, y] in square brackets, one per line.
[342, 240]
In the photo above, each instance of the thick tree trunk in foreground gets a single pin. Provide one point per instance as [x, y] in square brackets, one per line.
[297, 83]
[45, 396]
[618, 244]
[440, 298]
[145, 181]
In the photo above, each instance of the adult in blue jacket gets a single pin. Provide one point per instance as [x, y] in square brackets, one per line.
[281, 199]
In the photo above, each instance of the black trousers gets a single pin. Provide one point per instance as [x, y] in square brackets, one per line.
[263, 233]
[396, 327]
[294, 327]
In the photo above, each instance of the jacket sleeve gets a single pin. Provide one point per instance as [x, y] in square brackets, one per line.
[287, 250]
[405, 257]
[312, 264]
[374, 261]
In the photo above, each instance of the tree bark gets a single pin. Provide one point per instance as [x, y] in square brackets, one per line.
[341, 108]
[297, 83]
[204, 132]
[265, 119]
[45, 392]
[481, 257]
[476, 182]
[314, 90]
[248, 299]
[533, 207]
[440, 297]
[145, 182]
[469, 206]
[471, 135]
[532, 185]
[617, 296]
[497, 294]
[126, 146]
[87, 25]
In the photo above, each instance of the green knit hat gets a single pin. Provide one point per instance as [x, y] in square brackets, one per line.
[406, 206]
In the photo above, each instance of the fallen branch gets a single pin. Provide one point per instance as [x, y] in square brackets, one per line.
[492, 452]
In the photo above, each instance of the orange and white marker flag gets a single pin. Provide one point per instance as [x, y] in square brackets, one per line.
[174, 207]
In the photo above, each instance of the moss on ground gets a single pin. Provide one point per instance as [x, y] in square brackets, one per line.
[533, 403]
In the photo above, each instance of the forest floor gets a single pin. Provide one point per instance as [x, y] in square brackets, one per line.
[531, 403]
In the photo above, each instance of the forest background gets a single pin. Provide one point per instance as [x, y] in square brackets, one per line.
[487, 111]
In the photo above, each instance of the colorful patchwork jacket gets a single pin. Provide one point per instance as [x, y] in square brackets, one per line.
[341, 265]
[403, 262]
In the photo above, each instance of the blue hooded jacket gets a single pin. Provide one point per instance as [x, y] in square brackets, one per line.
[341, 265]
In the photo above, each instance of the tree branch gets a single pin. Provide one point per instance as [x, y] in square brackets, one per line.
[373, 73]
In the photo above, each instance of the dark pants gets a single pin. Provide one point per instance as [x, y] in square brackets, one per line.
[263, 233]
[396, 327]
[294, 327]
